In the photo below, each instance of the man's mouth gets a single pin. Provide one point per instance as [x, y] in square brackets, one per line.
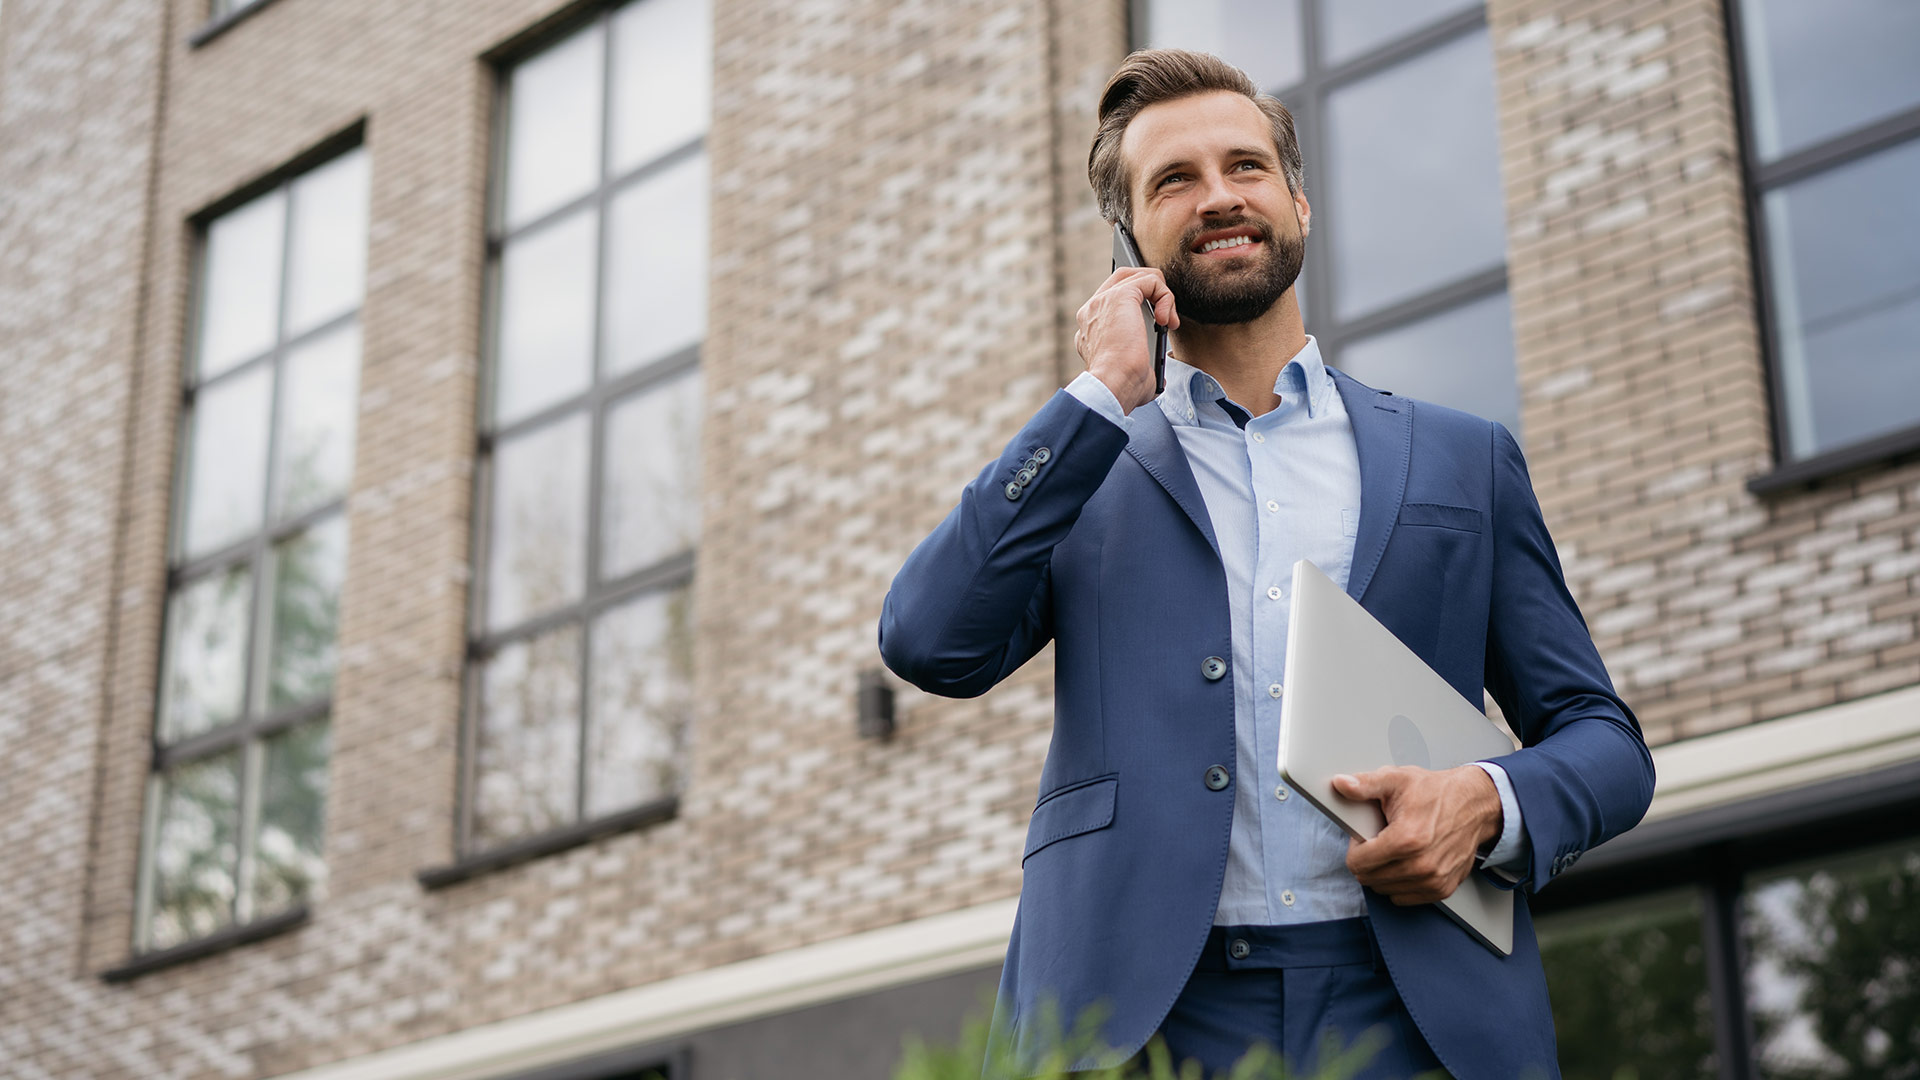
[1232, 242]
[1222, 245]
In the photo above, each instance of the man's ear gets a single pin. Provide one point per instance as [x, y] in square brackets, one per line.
[1303, 213]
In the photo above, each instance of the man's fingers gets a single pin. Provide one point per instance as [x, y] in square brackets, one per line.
[1367, 785]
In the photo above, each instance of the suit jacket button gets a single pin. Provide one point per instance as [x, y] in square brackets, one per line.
[1013, 489]
[1239, 949]
[1043, 455]
[1213, 667]
[1217, 777]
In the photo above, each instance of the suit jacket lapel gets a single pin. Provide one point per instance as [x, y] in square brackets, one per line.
[1383, 435]
[1157, 448]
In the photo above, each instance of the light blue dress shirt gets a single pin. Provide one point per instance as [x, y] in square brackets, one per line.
[1279, 487]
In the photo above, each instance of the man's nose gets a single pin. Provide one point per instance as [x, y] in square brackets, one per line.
[1219, 197]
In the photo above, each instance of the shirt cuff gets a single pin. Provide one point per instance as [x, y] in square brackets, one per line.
[1508, 857]
[1095, 395]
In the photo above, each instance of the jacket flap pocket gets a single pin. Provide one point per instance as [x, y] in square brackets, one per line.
[1440, 515]
[1082, 808]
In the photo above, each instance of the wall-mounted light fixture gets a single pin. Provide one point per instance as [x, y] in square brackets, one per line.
[876, 705]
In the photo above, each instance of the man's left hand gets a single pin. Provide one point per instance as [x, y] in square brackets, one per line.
[1436, 824]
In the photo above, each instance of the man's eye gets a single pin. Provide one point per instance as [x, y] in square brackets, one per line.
[1171, 177]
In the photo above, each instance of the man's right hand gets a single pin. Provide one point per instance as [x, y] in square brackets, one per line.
[1112, 338]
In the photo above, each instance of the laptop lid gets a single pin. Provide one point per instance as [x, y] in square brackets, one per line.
[1357, 699]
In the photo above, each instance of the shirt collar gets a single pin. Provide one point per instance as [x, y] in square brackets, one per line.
[1305, 377]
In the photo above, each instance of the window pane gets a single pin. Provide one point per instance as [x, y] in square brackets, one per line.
[526, 776]
[1833, 967]
[194, 850]
[1628, 983]
[656, 297]
[293, 810]
[318, 408]
[662, 78]
[1816, 70]
[327, 269]
[545, 350]
[207, 623]
[227, 471]
[553, 126]
[1462, 358]
[652, 507]
[240, 303]
[642, 701]
[1261, 37]
[1844, 249]
[1413, 177]
[307, 571]
[539, 521]
[1355, 26]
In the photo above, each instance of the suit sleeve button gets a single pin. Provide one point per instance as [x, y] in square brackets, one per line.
[1043, 455]
[1217, 778]
[1013, 489]
[1213, 668]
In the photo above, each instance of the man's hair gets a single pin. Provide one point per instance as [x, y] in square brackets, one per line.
[1151, 76]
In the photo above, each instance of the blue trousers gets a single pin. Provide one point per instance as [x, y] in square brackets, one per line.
[1306, 992]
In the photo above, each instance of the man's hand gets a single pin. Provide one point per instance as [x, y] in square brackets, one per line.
[1112, 338]
[1436, 823]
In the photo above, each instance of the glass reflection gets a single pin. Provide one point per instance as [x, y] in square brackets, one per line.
[656, 290]
[287, 865]
[227, 469]
[642, 702]
[545, 350]
[1413, 177]
[539, 521]
[1833, 968]
[526, 768]
[206, 677]
[307, 571]
[327, 268]
[1261, 37]
[1817, 70]
[1351, 27]
[1461, 358]
[194, 851]
[662, 78]
[1844, 248]
[1628, 984]
[553, 126]
[318, 410]
[240, 298]
[652, 499]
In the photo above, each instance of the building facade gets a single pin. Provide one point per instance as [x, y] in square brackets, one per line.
[456, 452]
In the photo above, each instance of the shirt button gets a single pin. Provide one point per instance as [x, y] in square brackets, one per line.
[1273, 592]
[1272, 507]
[1189, 412]
[1274, 690]
[1257, 437]
[1287, 898]
[1282, 793]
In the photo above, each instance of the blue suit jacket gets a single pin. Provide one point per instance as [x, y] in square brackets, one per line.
[1105, 547]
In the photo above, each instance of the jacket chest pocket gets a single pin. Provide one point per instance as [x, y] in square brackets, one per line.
[1071, 811]
[1441, 516]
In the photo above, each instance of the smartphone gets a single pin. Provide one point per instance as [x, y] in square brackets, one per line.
[1127, 253]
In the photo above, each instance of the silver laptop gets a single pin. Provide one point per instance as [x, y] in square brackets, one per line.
[1356, 700]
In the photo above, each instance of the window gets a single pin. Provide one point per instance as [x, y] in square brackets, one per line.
[1405, 281]
[1832, 104]
[237, 799]
[588, 491]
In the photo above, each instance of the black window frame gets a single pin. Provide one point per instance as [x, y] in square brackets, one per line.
[1717, 850]
[255, 553]
[1306, 99]
[1758, 179]
[602, 395]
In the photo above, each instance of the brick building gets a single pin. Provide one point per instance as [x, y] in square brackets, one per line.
[455, 453]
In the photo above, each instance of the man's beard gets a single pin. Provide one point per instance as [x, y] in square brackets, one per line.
[1232, 293]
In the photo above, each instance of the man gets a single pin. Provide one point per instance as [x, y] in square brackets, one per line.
[1169, 877]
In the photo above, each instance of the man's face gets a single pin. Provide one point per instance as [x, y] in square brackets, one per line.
[1211, 206]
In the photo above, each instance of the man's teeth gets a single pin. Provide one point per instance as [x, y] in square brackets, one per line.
[1231, 241]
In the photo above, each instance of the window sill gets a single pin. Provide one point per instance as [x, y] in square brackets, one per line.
[217, 942]
[548, 843]
[214, 27]
[1888, 449]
